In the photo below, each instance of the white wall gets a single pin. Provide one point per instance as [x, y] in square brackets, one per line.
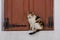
[43, 35]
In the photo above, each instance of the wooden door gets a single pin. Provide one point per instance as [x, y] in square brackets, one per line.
[15, 13]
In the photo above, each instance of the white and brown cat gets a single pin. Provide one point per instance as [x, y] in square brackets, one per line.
[35, 22]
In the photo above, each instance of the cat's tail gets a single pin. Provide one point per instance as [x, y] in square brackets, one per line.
[34, 32]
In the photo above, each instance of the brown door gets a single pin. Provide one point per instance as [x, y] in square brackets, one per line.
[15, 13]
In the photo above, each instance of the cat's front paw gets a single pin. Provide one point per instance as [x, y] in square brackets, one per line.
[30, 28]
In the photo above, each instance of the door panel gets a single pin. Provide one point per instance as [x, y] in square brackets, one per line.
[44, 9]
[16, 13]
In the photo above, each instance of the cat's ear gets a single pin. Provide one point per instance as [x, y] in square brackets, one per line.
[33, 13]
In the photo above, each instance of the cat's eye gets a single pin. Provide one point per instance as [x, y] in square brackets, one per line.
[29, 17]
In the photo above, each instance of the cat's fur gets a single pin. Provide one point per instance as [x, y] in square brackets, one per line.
[35, 22]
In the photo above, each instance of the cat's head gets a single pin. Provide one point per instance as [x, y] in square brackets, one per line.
[30, 13]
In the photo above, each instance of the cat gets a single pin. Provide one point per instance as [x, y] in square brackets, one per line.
[35, 22]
